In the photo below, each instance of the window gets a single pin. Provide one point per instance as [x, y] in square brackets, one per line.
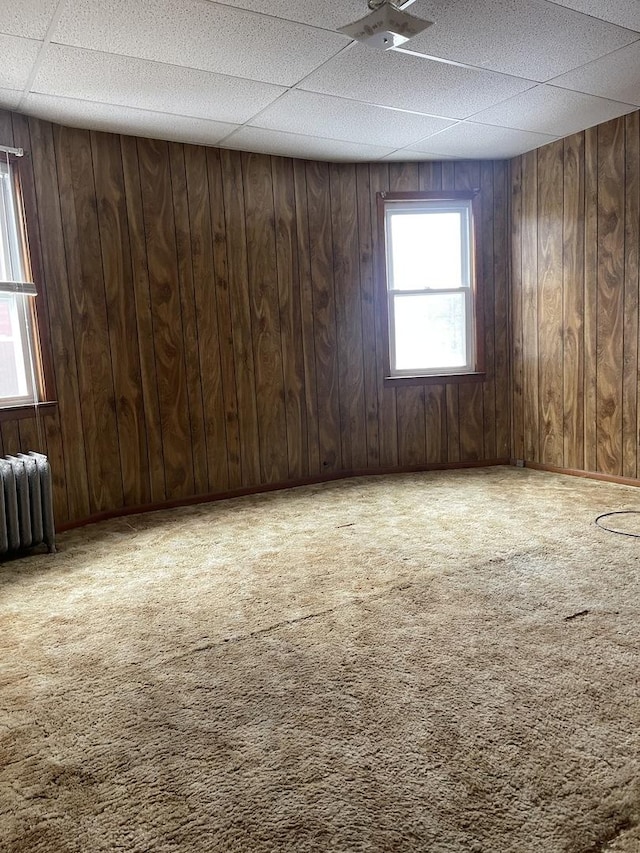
[430, 285]
[19, 370]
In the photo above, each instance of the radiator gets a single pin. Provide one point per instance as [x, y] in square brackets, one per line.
[26, 503]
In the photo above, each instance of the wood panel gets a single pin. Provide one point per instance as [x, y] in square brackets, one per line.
[590, 294]
[346, 273]
[166, 312]
[290, 316]
[230, 231]
[579, 210]
[265, 317]
[549, 308]
[610, 296]
[324, 316]
[190, 331]
[216, 320]
[573, 302]
[121, 314]
[144, 322]
[630, 410]
[214, 338]
[529, 209]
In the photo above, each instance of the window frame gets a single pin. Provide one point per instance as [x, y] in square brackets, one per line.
[36, 311]
[474, 312]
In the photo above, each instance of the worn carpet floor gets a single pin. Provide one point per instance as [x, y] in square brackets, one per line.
[444, 662]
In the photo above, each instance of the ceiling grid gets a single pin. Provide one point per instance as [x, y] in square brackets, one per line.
[489, 79]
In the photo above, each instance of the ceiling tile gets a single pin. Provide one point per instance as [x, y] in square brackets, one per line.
[18, 56]
[616, 76]
[534, 39]
[9, 99]
[397, 80]
[547, 109]
[337, 118]
[116, 119]
[199, 34]
[107, 78]
[306, 147]
[625, 13]
[27, 18]
[481, 141]
[329, 14]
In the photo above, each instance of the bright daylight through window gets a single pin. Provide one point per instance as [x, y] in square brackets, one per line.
[18, 382]
[430, 285]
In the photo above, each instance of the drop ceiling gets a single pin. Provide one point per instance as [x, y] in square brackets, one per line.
[489, 79]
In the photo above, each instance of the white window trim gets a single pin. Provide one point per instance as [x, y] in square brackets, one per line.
[19, 286]
[390, 203]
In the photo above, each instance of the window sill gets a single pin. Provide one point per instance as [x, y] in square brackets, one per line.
[436, 379]
[22, 412]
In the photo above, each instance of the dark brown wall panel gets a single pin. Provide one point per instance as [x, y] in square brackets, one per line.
[549, 309]
[575, 233]
[216, 320]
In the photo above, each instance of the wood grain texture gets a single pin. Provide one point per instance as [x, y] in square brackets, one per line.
[306, 316]
[216, 323]
[346, 275]
[530, 380]
[121, 315]
[549, 308]
[47, 215]
[230, 229]
[214, 355]
[573, 301]
[89, 313]
[590, 295]
[324, 316]
[144, 321]
[610, 296]
[368, 312]
[265, 316]
[168, 341]
[289, 299]
[190, 332]
[581, 212]
[631, 301]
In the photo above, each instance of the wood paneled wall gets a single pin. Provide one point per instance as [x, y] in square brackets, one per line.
[575, 241]
[215, 322]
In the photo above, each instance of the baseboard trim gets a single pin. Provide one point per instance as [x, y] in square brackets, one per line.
[587, 475]
[276, 487]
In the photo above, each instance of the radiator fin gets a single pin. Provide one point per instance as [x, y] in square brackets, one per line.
[26, 502]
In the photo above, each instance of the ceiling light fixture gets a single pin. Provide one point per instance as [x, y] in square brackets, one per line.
[387, 26]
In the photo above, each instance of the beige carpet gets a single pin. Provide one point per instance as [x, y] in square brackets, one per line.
[441, 662]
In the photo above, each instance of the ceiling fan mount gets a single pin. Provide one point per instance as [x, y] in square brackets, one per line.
[386, 26]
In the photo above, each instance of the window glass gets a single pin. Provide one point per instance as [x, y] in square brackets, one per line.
[426, 250]
[429, 284]
[430, 331]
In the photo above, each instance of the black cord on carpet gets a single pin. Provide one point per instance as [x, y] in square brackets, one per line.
[618, 512]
